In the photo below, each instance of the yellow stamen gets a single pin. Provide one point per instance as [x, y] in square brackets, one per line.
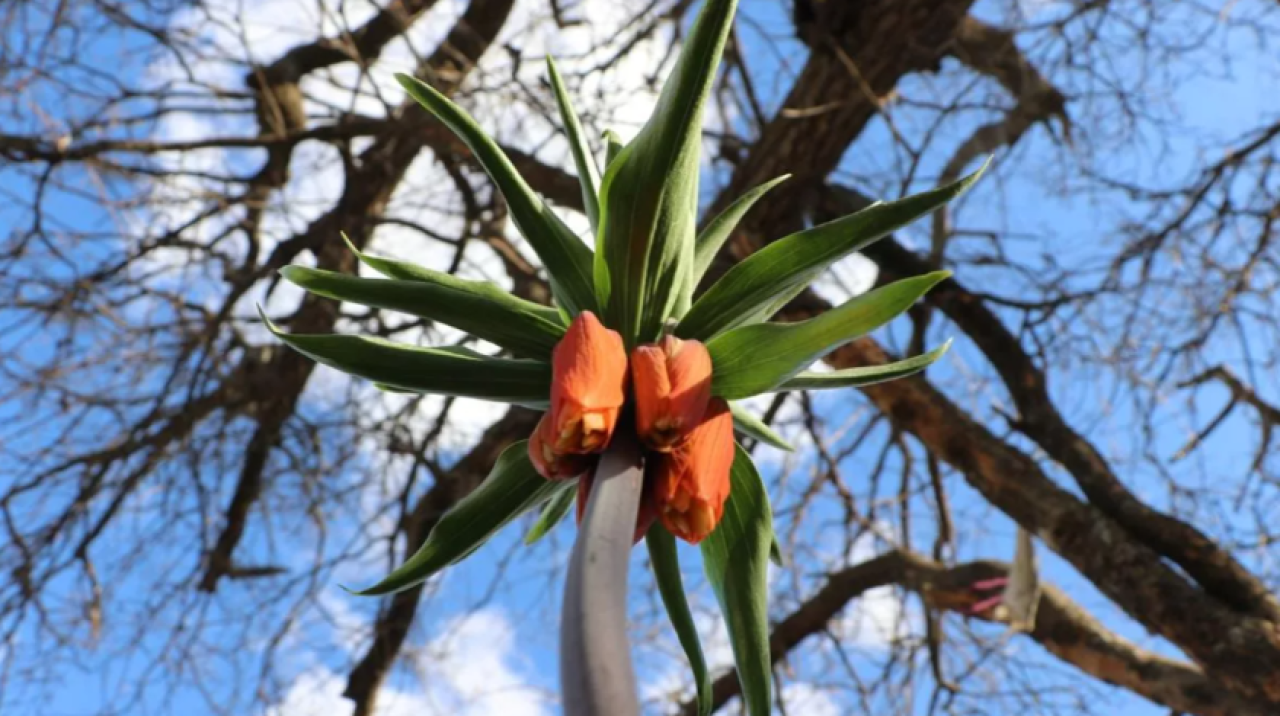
[701, 519]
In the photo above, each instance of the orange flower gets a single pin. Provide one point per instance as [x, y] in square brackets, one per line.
[692, 481]
[648, 511]
[588, 385]
[672, 381]
[549, 462]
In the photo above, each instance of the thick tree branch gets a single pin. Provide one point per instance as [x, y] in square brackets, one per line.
[1209, 564]
[1063, 628]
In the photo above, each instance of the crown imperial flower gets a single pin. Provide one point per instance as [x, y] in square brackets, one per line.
[550, 462]
[672, 381]
[692, 481]
[588, 387]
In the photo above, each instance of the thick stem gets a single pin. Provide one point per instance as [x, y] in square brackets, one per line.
[596, 676]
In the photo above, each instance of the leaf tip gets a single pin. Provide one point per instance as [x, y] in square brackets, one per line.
[262, 314]
[292, 274]
[775, 553]
[351, 245]
[967, 182]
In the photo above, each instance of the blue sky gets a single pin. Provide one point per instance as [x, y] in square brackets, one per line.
[1026, 195]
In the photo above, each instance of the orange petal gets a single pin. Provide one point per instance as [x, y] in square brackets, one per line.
[588, 386]
[692, 481]
[549, 462]
[672, 384]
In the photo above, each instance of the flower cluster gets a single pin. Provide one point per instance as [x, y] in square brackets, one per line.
[688, 435]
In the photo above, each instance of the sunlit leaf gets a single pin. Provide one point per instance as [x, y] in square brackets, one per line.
[555, 509]
[753, 359]
[613, 146]
[721, 227]
[446, 371]
[792, 262]
[649, 197]
[588, 174]
[511, 488]
[666, 573]
[746, 422]
[406, 271]
[869, 375]
[567, 259]
[479, 308]
[736, 557]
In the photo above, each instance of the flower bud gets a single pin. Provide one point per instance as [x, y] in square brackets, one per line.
[672, 383]
[549, 462]
[588, 386]
[692, 481]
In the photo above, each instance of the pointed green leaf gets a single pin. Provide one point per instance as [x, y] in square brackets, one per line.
[555, 509]
[649, 198]
[745, 422]
[511, 488]
[758, 358]
[567, 259]
[405, 271]
[666, 573]
[736, 557]
[758, 280]
[447, 371]
[588, 174]
[540, 405]
[775, 551]
[720, 228]
[613, 147]
[479, 308]
[870, 375]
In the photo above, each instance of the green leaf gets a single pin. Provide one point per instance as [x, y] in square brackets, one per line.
[736, 557]
[649, 198]
[758, 358]
[511, 488]
[613, 147]
[748, 424]
[555, 509]
[720, 228]
[447, 371]
[870, 375]
[405, 271]
[666, 572]
[588, 174]
[759, 279]
[567, 259]
[775, 551]
[479, 308]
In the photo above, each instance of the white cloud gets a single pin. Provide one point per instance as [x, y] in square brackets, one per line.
[851, 276]
[469, 668]
[318, 692]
